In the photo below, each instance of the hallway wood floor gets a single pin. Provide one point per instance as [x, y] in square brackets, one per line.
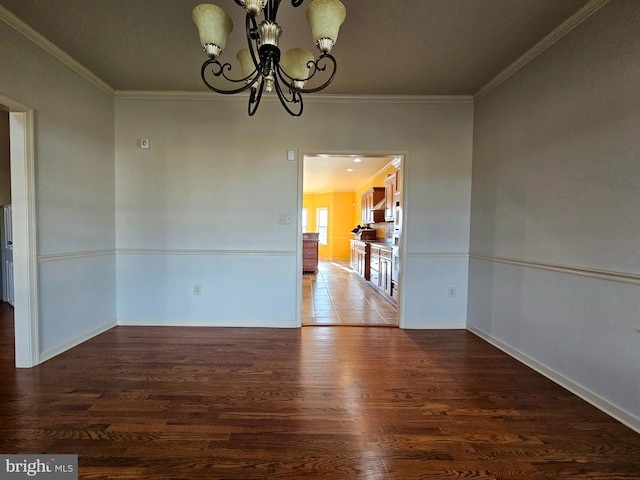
[334, 403]
[335, 295]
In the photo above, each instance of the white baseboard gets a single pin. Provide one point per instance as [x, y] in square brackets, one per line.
[196, 322]
[597, 401]
[426, 325]
[52, 352]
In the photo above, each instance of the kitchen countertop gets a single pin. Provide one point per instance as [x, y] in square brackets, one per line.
[384, 245]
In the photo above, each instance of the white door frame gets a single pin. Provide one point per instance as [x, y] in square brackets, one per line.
[405, 154]
[21, 131]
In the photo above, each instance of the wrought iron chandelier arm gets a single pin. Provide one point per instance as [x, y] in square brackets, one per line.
[218, 70]
[314, 68]
[321, 68]
[254, 99]
[271, 10]
[251, 26]
[283, 77]
[253, 39]
[296, 98]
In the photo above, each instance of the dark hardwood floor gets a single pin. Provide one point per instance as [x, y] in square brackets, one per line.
[317, 402]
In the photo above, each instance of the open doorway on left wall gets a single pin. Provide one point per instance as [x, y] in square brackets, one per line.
[23, 221]
[6, 247]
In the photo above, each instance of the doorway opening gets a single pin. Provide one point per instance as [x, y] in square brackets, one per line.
[22, 213]
[6, 247]
[354, 202]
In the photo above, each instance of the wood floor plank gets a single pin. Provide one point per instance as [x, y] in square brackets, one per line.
[318, 402]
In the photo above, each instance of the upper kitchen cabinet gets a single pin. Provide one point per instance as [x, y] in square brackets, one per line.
[370, 200]
[390, 198]
[398, 187]
[392, 192]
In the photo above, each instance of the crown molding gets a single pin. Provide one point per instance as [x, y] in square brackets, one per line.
[19, 26]
[389, 99]
[316, 98]
[565, 27]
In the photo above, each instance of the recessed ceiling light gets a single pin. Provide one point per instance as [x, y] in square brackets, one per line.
[349, 169]
[357, 160]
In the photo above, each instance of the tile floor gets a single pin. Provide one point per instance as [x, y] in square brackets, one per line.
[337, 296]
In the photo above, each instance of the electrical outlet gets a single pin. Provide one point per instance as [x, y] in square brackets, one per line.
[285, 219]
[197, 290]
[452, 291]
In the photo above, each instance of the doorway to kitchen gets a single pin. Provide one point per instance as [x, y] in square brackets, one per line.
[351, 222]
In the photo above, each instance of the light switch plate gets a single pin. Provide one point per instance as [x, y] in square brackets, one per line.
[285, 219]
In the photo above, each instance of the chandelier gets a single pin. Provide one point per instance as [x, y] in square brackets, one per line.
[262, 66]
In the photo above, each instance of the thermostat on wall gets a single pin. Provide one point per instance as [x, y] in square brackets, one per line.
[144, 143]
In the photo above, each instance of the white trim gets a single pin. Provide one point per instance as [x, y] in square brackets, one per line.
[204, 322]
[170, 251]
[19, 26]
[52, 257]
[404, 235]
[622, 277]
[27, 339]
[597, 401]
[52, 352]
[299, 235]
[13, 104]
[427, 325]
[315, 98]
[389, 99]
[404, 156]
[437, 254]
[568, 25]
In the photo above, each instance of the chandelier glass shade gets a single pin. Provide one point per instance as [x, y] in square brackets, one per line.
[262, 66]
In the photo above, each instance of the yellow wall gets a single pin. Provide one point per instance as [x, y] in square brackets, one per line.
[344, 215]
[341, 221]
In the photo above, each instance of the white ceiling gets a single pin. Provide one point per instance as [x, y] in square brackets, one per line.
[398, 47]
[324, 173]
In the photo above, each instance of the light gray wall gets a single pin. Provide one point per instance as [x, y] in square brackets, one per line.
[200, 206]
[554, 269]
[75, 191]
